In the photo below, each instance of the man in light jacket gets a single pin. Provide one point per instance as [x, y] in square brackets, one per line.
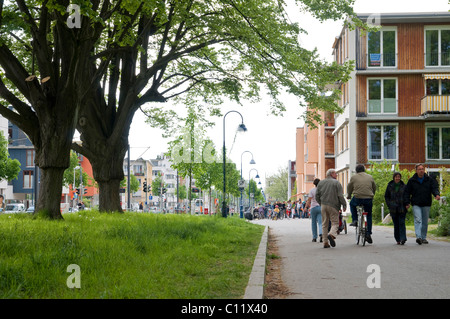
[330, 196]
[363, 188]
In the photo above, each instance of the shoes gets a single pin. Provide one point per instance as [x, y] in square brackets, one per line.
[369, 239]
[419, 241]
[326, 245]
[402, 242]
[321, 240]
[424, 241]
[355, 223]
[331, 239]
[314, 240]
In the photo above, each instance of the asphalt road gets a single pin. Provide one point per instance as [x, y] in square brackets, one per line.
[379, 270]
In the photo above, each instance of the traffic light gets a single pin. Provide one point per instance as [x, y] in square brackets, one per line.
[164, 190]
[145, 187]
[78, 191]
[85, 191]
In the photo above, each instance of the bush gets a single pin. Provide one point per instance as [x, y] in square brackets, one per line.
[382, 174]
[444, 221]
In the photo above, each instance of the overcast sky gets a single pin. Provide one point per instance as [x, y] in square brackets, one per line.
[272, 139]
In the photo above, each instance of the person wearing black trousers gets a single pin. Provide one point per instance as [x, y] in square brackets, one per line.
[394, 200]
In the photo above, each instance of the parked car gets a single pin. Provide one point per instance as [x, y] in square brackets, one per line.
[14, 208]
[30, 209]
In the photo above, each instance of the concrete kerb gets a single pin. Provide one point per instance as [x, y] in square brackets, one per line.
[255, 286]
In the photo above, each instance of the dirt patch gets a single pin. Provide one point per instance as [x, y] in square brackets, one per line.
[274, 288]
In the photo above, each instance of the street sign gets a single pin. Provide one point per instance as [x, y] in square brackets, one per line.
[241, 183]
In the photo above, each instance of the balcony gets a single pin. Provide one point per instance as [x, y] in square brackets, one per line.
[435, 105]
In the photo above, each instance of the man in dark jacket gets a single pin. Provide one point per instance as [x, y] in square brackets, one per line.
[418, 192]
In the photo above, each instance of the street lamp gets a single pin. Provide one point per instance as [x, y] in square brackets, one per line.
[241, 207]
[241, 128]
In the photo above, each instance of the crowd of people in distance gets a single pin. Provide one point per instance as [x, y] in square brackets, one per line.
[280, 210]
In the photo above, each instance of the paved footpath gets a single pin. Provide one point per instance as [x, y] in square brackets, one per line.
[353, 271]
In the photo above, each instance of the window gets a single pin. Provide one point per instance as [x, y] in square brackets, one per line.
[30, 158]
[27, 179]
[382, 96]
[438, 87]
[382, 48]
[438, 142]
[437, 46]
[382, 142]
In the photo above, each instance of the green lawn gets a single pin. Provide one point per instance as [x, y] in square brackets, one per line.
[130, 255]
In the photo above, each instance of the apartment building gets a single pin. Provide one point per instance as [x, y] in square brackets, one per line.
[397, 103]
[315, 152]
[142, 170]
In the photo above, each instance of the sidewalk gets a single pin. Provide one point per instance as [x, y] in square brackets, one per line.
[310, 271]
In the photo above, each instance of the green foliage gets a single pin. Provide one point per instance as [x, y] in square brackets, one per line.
[9, 168]
[382, 174]
[68, 177]
[277, 185]
[131, 255]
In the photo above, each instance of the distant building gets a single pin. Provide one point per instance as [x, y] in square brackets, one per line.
[142, 170]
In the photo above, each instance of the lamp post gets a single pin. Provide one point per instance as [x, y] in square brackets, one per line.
[257, 176]
[241, 128]
[241, 207]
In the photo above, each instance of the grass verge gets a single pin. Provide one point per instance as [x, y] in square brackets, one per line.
[131, 255]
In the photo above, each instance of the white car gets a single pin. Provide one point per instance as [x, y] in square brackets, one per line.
[14, 208]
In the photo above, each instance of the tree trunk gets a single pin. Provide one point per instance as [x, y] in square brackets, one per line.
[109, 197]
[49, 201]
[108, 173]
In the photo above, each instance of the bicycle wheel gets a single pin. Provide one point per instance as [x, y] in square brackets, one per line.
[358, 233]
[363, 230]
[345, 227]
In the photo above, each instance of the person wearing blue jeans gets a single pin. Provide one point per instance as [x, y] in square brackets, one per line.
[418, 193]
[315, 212]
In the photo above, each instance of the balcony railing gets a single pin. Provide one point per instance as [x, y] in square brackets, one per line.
[435, 104]
[381, 60]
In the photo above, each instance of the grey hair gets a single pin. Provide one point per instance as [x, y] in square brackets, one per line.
[330, 171]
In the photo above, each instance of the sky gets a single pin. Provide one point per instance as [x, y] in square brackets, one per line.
[269, 138]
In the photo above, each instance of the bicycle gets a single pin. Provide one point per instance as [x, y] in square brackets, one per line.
[361, 227]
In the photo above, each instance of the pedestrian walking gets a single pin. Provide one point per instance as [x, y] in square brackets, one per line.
[363, 188]
[394, 201]
[418, 193]
[330, 197]
[315, 212]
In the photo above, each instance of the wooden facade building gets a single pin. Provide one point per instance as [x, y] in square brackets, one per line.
[397, 103]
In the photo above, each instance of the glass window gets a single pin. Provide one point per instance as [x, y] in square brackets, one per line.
[382, 96]
[374, 142]
[433, 143]
[381, 48]
[432, 87]
[382, 142]
[388, 48]
[437, 46]
[374, 47]
[390, 96]
[432, 47]
[446, 142]
[390, 142]
[445, 47]
[374, 96]
[445, 87]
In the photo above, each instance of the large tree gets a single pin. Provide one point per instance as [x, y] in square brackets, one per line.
[124, 54]
[42, 62]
